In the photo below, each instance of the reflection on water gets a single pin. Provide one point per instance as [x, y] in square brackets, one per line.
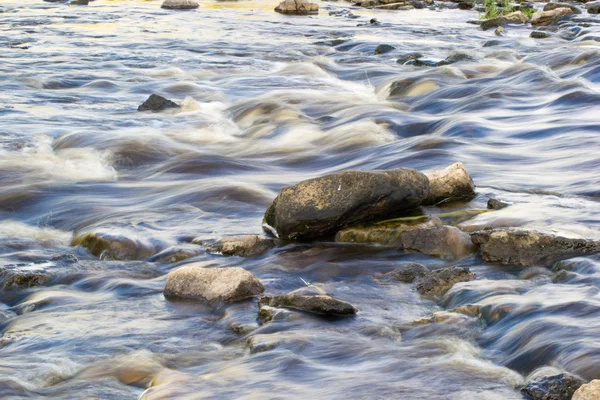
[269, 100]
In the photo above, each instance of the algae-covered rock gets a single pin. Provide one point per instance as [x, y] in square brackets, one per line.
[557, 387]
[438, 282]
[317, 304]
[224, 285]
[528, 248]
[242, 246]
[449, 184]
[321, 206]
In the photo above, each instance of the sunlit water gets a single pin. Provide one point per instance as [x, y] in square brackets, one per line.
[268, 101]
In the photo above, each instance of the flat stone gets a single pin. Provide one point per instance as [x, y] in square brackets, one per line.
[317, 304]
[321, 206]
[223, 285]
[588, 391]
[157, 103]
[180, 4]
[528, 248]
[438, 282]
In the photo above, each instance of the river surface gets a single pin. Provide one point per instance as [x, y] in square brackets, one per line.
[269, 100]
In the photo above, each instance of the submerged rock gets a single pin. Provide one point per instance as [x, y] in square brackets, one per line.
[557, 387]
[157, 103]
[383, 48]
[495, 204]
[449, 184]
[500, 31]
[180, 4]
[115, 245]
[589, 391]
[408, 57]
[317, 304]
[593, 7]
[438, 282]
[554, 6]
[18, 279]
[297, 7]
[175, 254]
[224, 285]
[527, 248]
[242, 246]
[428, 237]
[321, 206]
[546, 18]
[408, 273]
[515, 18]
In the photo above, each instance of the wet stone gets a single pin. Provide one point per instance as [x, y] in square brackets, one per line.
[554, 6]
[437, 283]
[515, 18]
[175, 254]
[116, 245]
[528, 248]
[321, 206]
[557, 387]
[12, 278]
[383, 48]
[547, 18]
[589, 391]
[157, 103]
[593, 7]
[495, 204]
[297, 7]
[317, 304]
[408, 273]
[242, 246]
[223, 285]
[408, 57]
[454, 182]
[179, 5]
[500, 31]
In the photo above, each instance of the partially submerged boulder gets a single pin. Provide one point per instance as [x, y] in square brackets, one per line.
[589, 391]
[180, 4]
[428, 237]
[297, 7]
[449, 184]
[242, 246]
[321, 206]
[383, 48]
[557, 387]
[116, 245]
[223, 285]
[157, 103]
[547, 18]
[436, 283]
[515, 18]
[593, 7]
[175, 254]
[408, 273]
[317, 304]
[539, 35]
[554, 6]
[528, 248]
[495, 204]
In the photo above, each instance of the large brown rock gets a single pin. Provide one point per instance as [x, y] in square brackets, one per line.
[514, 18]
[449, 184]
[317, 304]
[547, 18]
[428, 237]
[223, 285]
[528, 248]
[297, 7]
[589, 391]
[322, 206]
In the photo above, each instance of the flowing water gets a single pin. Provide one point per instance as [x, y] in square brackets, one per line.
[269, 100]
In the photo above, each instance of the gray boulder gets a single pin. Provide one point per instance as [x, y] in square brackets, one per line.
[322, 206]
[180, 4]
[317, 304]
[557, 387]
[242, 246]
[515, 18]
[157, 103]
[436, 283]
[546, 18]
[528, 248]
[222, 285]
[297, 7]
[449, 184]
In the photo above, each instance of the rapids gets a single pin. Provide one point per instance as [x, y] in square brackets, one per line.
[269, 100]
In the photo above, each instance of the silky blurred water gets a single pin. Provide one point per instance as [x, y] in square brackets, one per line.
[269, 100]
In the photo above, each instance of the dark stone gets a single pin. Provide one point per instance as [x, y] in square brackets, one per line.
[527, 248]
[157, 103]
[408, 273]
[495, 204]
[557, 387]
[554, 6]
[422, 63]
[491, 43]
[593, 7]
[539, 35]
[15, 279]
[321, 206]
[383, 48]
[180, 4]
[438, 282]
[318, 304]
[407, 57]
[465, 5]
[456, 57]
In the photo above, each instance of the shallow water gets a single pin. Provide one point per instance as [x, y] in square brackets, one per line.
[269, 101]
